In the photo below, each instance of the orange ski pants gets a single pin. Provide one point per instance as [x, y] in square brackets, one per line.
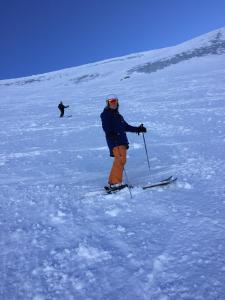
[120, 155]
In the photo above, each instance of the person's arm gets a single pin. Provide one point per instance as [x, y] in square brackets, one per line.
[130, 128]
[107, 126]
[136, 129]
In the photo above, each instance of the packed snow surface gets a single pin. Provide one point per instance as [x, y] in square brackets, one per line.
[61, 237]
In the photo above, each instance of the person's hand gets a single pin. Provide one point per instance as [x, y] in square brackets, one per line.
[142, 129]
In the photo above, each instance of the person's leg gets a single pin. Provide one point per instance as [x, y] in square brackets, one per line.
[116, 174]
[62, 114]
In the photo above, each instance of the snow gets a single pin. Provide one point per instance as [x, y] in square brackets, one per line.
[61, 237]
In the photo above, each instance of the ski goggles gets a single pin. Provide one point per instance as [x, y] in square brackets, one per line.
[113, 101]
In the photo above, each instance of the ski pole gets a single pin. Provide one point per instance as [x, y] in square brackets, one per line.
[146, 151]
[128, 185]
[125, 173]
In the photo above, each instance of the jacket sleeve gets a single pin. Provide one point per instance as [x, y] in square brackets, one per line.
[130, 128]
[107, 125]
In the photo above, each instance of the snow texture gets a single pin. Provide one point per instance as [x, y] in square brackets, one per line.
[60, 236]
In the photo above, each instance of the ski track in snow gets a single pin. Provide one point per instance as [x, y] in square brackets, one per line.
[62, 238]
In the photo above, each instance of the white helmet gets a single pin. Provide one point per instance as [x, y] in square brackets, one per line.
[111, 97]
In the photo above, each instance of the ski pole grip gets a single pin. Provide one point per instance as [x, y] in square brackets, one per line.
[142, 125]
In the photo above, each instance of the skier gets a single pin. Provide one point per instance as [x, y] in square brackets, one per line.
[61, 107]
[115, 128]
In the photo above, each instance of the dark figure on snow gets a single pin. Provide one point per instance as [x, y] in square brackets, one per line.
[115, 128]
[61, 107]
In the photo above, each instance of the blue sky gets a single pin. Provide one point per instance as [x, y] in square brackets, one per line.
[39, 36]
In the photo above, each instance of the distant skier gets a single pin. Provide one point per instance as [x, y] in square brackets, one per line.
[115, 128]
[61, 107]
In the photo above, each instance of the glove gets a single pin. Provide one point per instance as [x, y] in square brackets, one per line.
[141, 128]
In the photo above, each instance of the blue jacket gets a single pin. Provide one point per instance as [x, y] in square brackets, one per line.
[115, 128]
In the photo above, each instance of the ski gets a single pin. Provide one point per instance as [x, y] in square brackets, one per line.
[164, 182]
[167, 179]
[160, 183]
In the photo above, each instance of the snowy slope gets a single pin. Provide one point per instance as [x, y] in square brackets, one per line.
[60, 237]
